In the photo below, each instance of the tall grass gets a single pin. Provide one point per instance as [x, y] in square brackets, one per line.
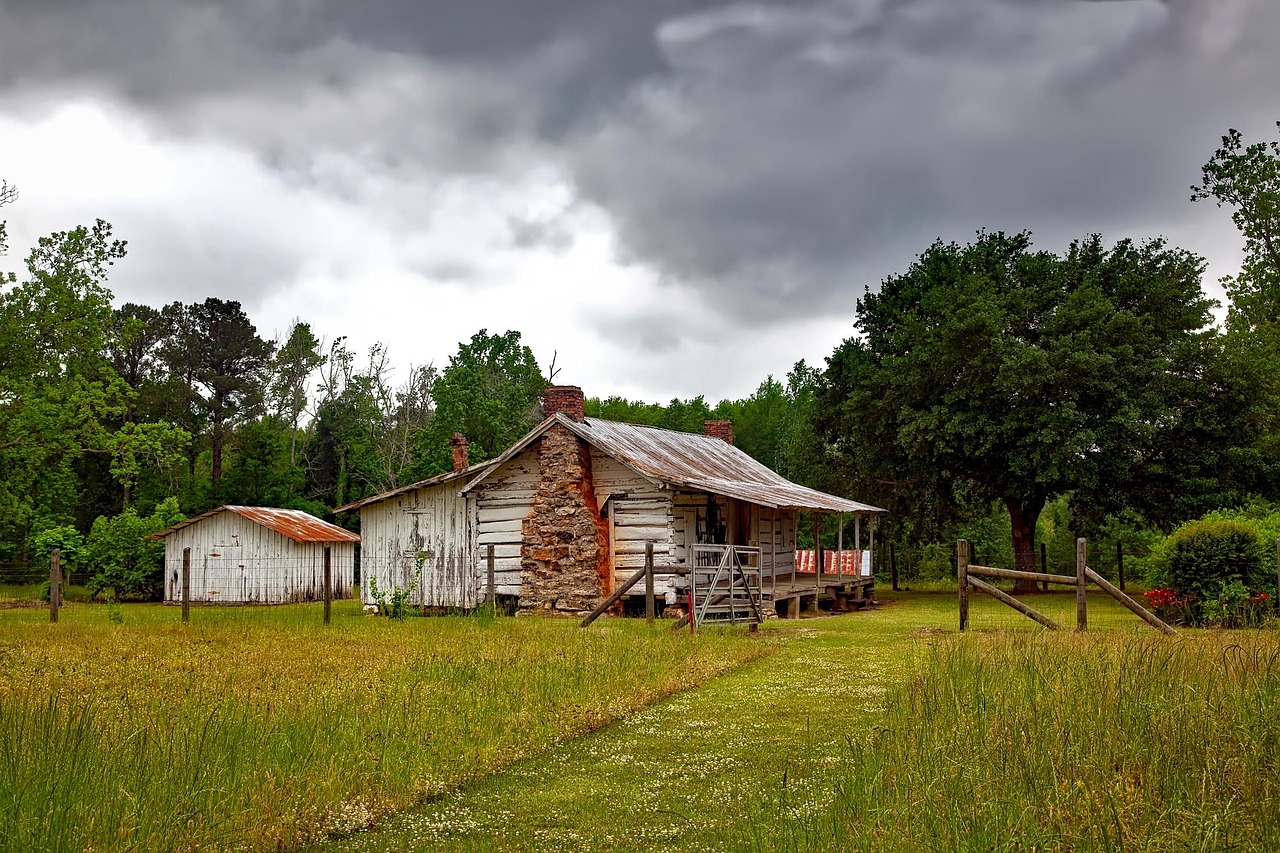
[1026, 741]
[260, 728]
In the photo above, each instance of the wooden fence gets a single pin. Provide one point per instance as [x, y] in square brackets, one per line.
[969, 577]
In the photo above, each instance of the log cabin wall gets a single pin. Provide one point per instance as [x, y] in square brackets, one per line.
[638, 511]
[423, 537]
[236, 561]
[501, 504]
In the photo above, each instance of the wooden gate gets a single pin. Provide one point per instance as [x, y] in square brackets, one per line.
[966, 575]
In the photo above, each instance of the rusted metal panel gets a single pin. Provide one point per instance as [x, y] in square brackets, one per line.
[689, 460]
[293, 523]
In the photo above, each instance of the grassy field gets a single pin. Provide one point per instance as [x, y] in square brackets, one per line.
[885, 731]
[259, 728]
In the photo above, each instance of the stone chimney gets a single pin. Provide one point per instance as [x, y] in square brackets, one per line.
[565, 399]
[721, 429]
[458, 444]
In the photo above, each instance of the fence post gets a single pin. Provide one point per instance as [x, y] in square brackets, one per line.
[1044, 565]
[328, 581]
[1082, 614]
[649, 606]
[55, 583]
[490, 595]
[186, 585]
[1120, 564]
[962, 580]
[893, 567]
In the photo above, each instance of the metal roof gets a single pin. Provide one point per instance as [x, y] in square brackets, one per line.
[293, 523]
[691, 461]
[421, 484]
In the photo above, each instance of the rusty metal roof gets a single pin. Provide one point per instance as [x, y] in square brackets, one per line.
[292, 523]
[691, 461]
[421, 484]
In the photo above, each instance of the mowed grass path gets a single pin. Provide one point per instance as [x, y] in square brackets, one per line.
[261, 728]
[884, 730]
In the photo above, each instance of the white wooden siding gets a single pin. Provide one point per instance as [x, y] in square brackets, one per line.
[424, 538]
[237, 561]
[502, 503]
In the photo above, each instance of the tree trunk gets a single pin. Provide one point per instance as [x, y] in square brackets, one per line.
[215, 448]
[1023, 514]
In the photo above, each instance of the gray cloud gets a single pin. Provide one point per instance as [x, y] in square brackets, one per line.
[774, 158]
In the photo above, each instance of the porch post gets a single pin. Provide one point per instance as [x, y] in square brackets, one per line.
[840, 546]
[817, 557]
[871, 548]
[857, 541]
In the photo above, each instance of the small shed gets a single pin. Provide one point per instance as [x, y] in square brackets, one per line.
[257, 555]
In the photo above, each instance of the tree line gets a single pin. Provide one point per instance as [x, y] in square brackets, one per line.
[989, 379]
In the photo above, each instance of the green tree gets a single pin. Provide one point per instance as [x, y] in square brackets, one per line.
[489, 392]
[1246, 178]
[120, 557]
[57, 390]
[215, 348]
[1020, 375]
[294, 364]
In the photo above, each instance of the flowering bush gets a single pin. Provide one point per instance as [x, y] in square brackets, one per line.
[1172, 606]
[1230, 607]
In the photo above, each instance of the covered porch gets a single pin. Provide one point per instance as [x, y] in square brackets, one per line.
[749, 569]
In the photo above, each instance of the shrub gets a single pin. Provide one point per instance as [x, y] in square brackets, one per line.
[391, 604]
[120, 556]
[68, 541]
[1234, 607]
[1202, 556]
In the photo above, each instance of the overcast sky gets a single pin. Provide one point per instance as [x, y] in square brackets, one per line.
[678, 197]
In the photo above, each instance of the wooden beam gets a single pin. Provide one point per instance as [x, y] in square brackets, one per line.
[1014, 574]
[328, 582]
[491, 590]
[608, 602]
[1138, 610]
[1120, 563]
[1082, 608]
[186, 585]
[962, 580]
[650, 608]
[55, 583]
[1001, 595]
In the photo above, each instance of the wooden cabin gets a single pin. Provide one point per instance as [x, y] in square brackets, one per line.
[569, 509]
[257, 555]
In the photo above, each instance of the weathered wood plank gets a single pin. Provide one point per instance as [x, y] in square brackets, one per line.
[509, 512]
[1013, 574]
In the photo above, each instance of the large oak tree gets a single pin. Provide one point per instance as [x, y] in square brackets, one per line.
[1022, 374]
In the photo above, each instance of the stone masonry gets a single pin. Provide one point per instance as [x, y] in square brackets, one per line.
[564, 554]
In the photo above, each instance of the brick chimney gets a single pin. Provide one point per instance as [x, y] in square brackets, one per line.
[458, 444]
[721, 429]
[566, 399]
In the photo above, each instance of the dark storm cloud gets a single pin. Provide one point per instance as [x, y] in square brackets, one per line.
[776, 157]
